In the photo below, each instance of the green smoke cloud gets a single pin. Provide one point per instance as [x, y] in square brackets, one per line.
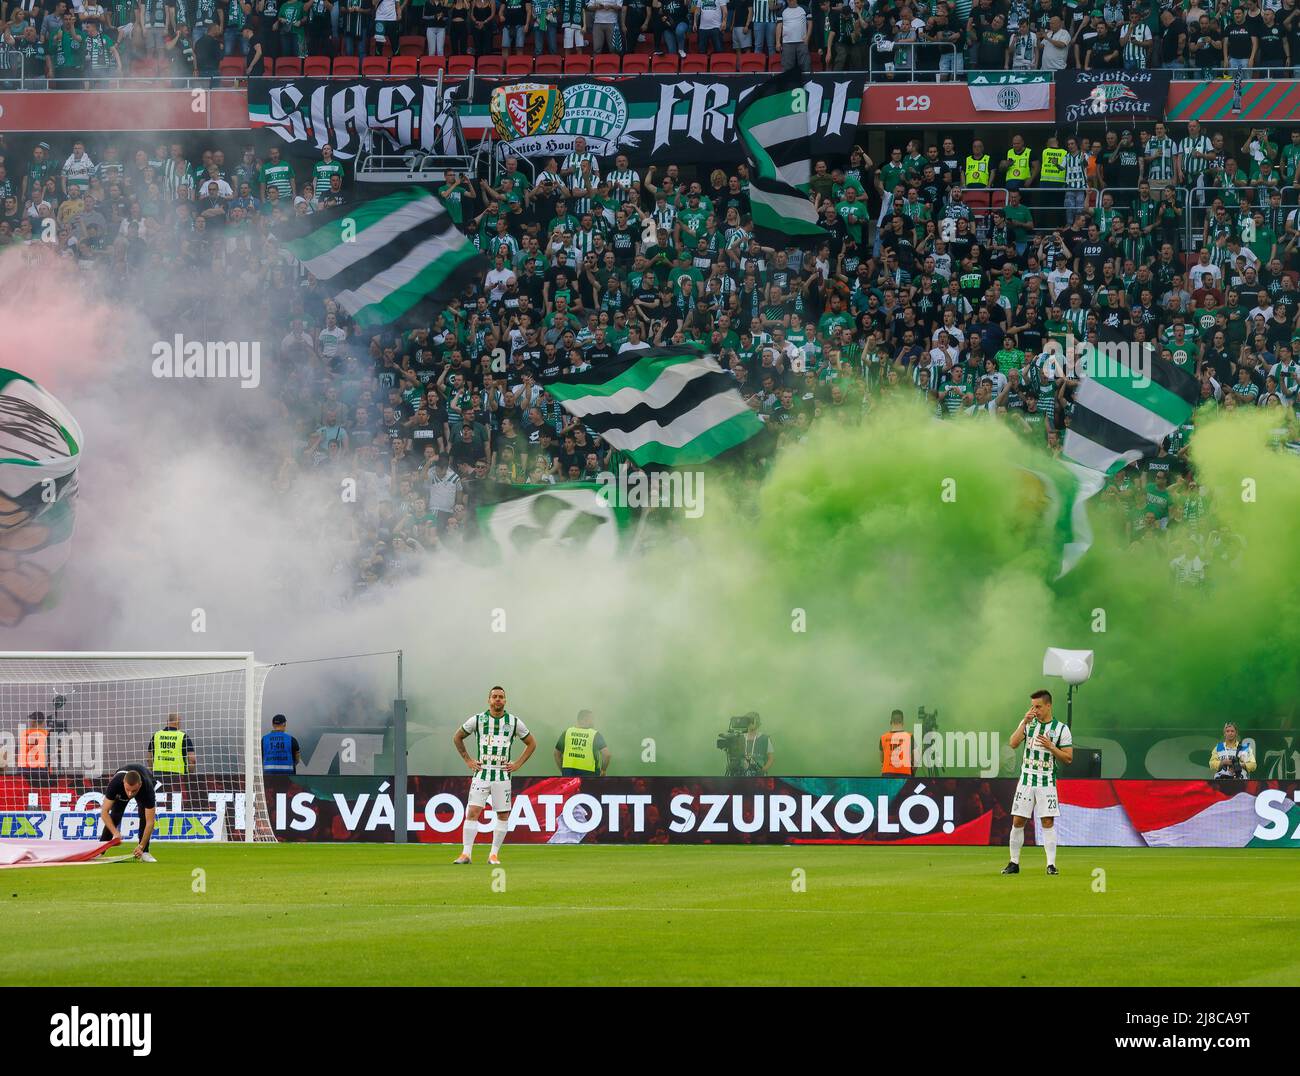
[895, 563]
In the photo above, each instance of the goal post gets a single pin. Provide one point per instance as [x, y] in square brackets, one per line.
[70, 719]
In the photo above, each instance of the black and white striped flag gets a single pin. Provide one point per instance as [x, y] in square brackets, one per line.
[1121, 414]
[776, 129]
[396, 255]
[672, 406]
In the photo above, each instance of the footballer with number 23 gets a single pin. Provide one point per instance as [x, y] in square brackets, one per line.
[495, 730]
[1047, 742]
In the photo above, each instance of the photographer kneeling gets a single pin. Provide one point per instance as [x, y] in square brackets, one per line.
[1232, 756]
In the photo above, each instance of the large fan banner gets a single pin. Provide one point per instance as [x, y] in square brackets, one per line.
[1122, 96]
[653, 119]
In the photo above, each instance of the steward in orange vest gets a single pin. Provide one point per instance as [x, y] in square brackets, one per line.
[896, 749]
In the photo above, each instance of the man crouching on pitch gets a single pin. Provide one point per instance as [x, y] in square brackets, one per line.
[130, 783]
[1047, 742]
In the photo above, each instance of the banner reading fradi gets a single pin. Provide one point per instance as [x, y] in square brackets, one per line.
[1009, 91]
[654, 119]
[1085, 96]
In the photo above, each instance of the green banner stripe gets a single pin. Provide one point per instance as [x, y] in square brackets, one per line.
[639, 377]
[363, 215]
[419, 287]
[708, 445]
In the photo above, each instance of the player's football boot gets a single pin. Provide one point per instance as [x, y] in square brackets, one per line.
[493, 860]
[462, 858]
[147, 857]
[1051, 869]
[1011, 868]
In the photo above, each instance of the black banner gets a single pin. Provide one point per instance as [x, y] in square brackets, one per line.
[654, 119]
[1105, 96]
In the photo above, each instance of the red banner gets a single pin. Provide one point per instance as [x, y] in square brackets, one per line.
[84, 111]
[916, 104]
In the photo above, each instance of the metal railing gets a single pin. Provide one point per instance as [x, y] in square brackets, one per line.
[1198, 205]
[908, 66]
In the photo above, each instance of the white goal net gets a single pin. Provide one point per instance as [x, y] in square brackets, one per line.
[69, 721]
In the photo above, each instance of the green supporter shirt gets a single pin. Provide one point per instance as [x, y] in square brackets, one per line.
[452, 199]
[1009, 359]
[1021, 220]
[279, 176]
[321, 174]
[828, 323]
[854, 215]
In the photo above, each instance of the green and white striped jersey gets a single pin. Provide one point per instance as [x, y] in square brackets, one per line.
[496, 739]
[1038, 766]
[1161, 152]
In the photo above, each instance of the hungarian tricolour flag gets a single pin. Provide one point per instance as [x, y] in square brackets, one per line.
[395, 255]
[776, 128]
[673, 406]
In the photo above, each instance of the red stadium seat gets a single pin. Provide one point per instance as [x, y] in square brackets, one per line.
[404, 67]
[231, 67]
[288, 67]
[548, 65]
[314, 66]
[606, 64]
[374, 66]
[577, 65]
[460, 66]
[774, 61]
[753, 61]
[411, 45]
[429, 66]
[664, 65]
[695, 63]
[348, 66]
[519, 65]
[491, 65]
[723, 61]
[636, 63]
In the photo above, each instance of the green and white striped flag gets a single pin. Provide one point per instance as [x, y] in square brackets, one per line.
[776, 128]
[672, 406]
[1121, 414]
[1067, 488]
[392, 256]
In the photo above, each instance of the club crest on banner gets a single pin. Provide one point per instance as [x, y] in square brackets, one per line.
[534, 119]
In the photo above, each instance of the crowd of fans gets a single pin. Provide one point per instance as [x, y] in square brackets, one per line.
[891, 39]
[927, 287]
[72, 42]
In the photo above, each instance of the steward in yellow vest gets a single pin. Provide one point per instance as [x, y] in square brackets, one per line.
[978, 166]
[581, 751]
[1052, 170]
[171, 750]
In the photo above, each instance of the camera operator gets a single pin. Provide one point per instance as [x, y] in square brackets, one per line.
[758, 748]
[1232, 756]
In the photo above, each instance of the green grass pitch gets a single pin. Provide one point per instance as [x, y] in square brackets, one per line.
[380, 914]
